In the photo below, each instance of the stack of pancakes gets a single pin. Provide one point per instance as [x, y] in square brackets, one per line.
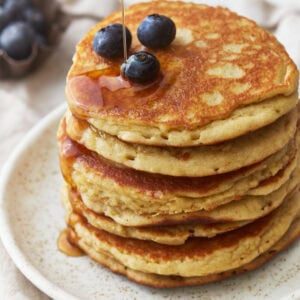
[194, 177]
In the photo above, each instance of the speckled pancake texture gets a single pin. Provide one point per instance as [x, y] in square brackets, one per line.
[191, 178]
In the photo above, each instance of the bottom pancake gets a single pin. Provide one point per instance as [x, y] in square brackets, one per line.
[160, 281]
[198, 256]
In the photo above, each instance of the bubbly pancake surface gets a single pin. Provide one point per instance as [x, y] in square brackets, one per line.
[218, 62]
[242, 121]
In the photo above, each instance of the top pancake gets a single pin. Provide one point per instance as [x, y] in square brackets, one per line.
[219, 62]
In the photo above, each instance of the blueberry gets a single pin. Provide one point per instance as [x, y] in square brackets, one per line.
[15, 8]
[17, 40]
[108, 41]
[40, 40]
[156, 31]
[36, 19]
[3, 18]
[141, 67]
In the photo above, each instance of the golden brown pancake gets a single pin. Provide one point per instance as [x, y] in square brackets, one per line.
[98, 175]
[219, 62]
[169, 235]
[160, 281]
[216, 159]
[195, 176]
[198, 256]
[108, 189]
[242, 121]
[247, 209]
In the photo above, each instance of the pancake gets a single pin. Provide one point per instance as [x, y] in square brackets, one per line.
[169, 235]
[246, 209]
[195, 176]
[89, 175]
[160, 281]
[242, 121]
[96, 177]
[216, 159]
[218, 63]
[103, 201]
[111, 174]
[273, 183]
[198, 256]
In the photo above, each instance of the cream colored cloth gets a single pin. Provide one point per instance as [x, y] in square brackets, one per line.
[23, 103]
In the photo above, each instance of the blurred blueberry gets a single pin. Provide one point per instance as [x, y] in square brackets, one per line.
[3, 18]
[17, 40]
[36, 19]
[40, 40]
[15, 8]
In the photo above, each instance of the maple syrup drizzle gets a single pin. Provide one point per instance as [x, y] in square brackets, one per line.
[90, 92]
[114, 83]
[66, 247]
[91, 95]
[124, 31]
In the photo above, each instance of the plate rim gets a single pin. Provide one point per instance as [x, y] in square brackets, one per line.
[7, 237]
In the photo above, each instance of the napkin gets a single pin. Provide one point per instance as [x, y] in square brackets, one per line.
[24, 102]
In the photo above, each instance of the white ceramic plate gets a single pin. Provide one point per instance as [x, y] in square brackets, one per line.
[31, 218]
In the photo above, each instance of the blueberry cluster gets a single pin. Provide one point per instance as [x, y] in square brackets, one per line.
[22, 25]
[155, 32]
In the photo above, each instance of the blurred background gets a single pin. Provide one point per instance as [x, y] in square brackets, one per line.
[24, 101]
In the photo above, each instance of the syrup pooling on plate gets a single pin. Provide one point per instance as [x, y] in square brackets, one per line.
[65, 246]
